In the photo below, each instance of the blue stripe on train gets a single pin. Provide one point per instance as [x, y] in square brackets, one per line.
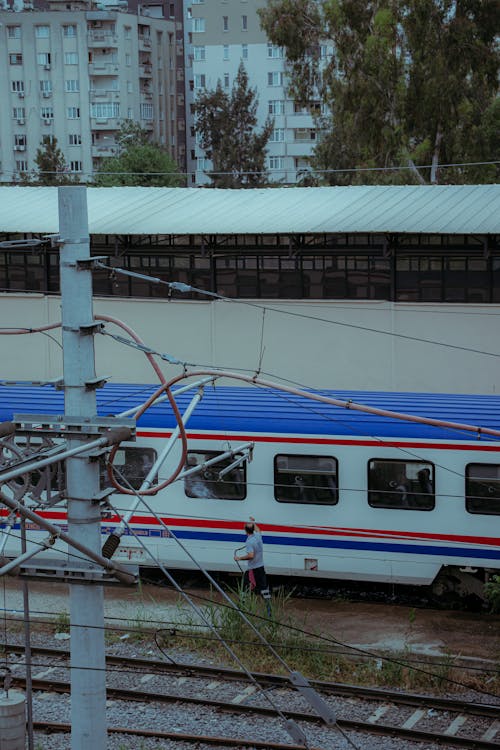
[418, 549]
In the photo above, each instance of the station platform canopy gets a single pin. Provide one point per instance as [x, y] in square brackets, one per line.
[405, 209]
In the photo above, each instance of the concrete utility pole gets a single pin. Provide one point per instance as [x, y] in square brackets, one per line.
[88, 675]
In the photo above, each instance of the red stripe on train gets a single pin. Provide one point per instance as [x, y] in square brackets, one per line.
[380, 443]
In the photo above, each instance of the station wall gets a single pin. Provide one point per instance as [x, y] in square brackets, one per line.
[369, 345]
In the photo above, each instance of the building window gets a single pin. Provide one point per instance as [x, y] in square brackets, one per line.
[403, 485]
[199, 81]
[304, 134]
[17, 87]
[274, 52]
[75, 139]
[275, 78]
[20, 141]
[75, 166]
[244, 51]
[128, 32]
[18, 113]
[14, 32]
[43, 58]
[69, 30]
[277, 136]
[198, 25]
[199, 52]
[198, 2]
[207, 483]
[129, 87]
[71, 58]
[47, 113]
[104, 110]
[128, 60]
[21, 165]
[202, 163]
[276, 107]
[146, 111]
[73, 113]
[42, 32]
[225, 23]
[130, 113]
[276, 162]
[482, 489]
[45, 87]
[306, 479]
[72, 86]
[15, 58]
[225, 52]
[226, 80]
[244, 23]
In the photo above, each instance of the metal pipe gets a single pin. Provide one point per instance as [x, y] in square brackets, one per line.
[26, 556]
[161, 399]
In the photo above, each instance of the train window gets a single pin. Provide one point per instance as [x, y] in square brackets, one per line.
[482, 488]
[207, 482]
[306, 479]
[132, 466]
[405, 485]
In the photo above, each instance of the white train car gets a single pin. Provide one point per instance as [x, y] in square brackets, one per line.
[338, 493]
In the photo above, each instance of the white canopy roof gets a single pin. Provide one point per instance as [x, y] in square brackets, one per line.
[433, 209]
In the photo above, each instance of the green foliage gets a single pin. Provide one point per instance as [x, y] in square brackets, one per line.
[226, 124]
[408, 84]
[51, 166]
[138, 162]
[492, 593]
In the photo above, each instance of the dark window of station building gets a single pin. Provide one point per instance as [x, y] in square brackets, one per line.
[310, 480]
[419, 279]
[357, 277]
[207, 482]
[397, 484]
[482, 489]
[466, 279]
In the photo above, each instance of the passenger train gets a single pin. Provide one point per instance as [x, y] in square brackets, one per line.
[338, 493]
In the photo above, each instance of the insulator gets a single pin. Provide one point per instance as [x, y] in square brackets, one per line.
[110, 546]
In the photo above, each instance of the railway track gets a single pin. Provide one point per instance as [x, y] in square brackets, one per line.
[360, 710]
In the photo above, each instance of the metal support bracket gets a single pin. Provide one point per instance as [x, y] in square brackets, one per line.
[312, 697]
[90, 264]
[89, 329]
[61, 571]
[95, 383]
[61, 425]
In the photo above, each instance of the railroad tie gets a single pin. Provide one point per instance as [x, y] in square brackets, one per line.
[491, 732]
[378, 713]
[455, 725]
[244, 695]
[43, 674]
[414, 718]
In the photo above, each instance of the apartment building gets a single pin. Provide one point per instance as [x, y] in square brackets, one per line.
[219, 35]
[75, 73]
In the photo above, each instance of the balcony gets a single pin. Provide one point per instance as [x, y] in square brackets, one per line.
[104, 69]
[102, 152]
[146, 70]
[104, 123]
[144, 42]
[99, 38]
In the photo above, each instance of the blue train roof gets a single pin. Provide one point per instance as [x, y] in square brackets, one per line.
[252, 410]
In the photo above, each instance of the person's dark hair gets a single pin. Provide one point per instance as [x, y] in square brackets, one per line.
[249, 528]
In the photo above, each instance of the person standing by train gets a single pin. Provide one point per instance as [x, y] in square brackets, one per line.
[255, 576]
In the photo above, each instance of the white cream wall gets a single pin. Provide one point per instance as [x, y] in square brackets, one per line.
[324, 345]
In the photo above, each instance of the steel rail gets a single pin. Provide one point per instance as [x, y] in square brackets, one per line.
[139, 696]
[336, 688]
[51, 727]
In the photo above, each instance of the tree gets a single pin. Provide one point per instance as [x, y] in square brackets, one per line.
[138, 162]
[407, 84]
[226, 124]
[51, 166]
